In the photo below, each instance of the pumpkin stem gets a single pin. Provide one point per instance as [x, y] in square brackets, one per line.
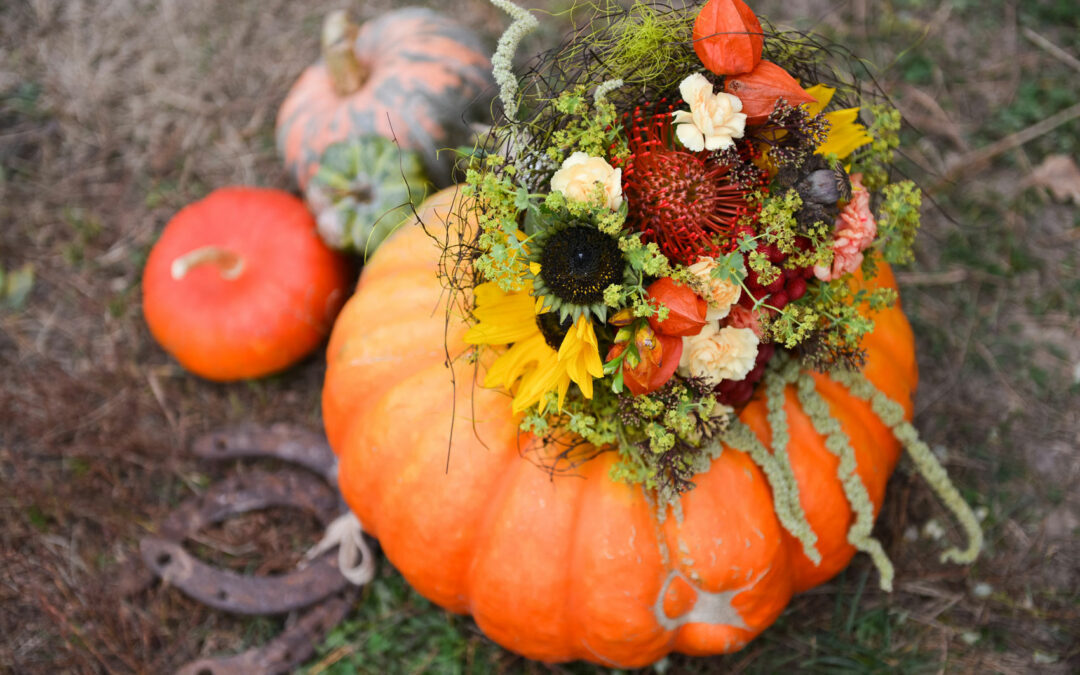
[228, 263]
[347, 73]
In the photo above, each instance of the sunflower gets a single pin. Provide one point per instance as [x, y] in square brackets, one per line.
[846, 135]
[570, 265]
[532, 361]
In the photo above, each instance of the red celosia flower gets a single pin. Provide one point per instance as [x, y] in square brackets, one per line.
[684, 201]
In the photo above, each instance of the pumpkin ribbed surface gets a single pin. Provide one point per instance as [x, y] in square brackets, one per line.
[573, 567]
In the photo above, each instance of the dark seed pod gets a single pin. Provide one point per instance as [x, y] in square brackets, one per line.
[787, 176]
[843, 182]
[819, 187]
[812, 212]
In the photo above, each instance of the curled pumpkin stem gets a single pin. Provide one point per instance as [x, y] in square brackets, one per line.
[229, 264]
[503, 61]
[838, 443]
[892, 414]
[347, 73]
[789, 509]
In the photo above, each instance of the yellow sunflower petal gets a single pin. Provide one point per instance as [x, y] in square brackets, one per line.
[545, 377]
[846, 135]
[579, 355]
[516, 362]
[593, 363]
[502, 317]
[563, 386]
[530, 368]
[822, 95]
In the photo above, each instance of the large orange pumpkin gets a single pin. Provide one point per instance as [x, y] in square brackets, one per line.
[573, 567]
[410, 74]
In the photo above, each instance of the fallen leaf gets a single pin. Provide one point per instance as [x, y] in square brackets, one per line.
[1060, 175]
[17, 286]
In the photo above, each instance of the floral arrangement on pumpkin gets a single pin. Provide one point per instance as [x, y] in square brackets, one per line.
[672, 208]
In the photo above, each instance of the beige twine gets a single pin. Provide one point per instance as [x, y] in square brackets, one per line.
[355, 560]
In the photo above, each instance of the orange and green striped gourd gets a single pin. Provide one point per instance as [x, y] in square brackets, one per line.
[411, 74]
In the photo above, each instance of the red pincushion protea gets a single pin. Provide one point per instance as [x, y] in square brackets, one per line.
[684, 201]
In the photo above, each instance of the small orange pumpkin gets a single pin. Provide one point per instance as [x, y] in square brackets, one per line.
[410, 74]
[239, 285]
[574, 567]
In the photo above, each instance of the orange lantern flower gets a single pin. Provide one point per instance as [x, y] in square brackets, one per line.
[728, 37]
[762, 88]
[686, 309]
[658, 358]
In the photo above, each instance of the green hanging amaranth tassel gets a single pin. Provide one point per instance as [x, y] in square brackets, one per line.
[776, 465]
[892, 414]
[838, 443]
[789, 509]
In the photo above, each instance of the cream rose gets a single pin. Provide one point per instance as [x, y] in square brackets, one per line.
[580, 174]
[719, 293]
[717, 354]
[713, 122]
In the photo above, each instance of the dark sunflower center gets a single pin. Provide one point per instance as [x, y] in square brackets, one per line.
[552, 329]
[578, 263]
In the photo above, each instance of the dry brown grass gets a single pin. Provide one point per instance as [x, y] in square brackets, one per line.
[114, 113]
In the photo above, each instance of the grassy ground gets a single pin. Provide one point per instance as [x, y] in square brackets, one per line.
[115, 113]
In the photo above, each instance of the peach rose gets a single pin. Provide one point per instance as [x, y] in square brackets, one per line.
[741, 317]
[713, 122]
[580, 174]
[719, 293]
[717, 354]
[854, 233]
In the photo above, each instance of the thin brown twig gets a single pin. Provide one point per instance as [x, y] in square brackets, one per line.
[70, 629]
[1052, 49]
[991, 361]
[946, 278]
[332, 658]
[936, 117]
[159, 396]
[976, 159]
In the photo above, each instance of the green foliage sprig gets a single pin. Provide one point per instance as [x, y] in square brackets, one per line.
[498, 201]
[662, 436]
[898, 221]
[875, 161]
[587, 125]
